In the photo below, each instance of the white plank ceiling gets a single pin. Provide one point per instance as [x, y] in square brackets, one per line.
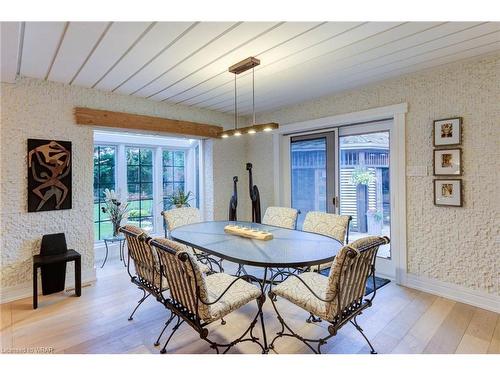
[186, 62]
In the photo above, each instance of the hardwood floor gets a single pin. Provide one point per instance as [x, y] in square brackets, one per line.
[402, 320]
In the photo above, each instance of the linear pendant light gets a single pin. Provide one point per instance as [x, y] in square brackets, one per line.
[240, 67]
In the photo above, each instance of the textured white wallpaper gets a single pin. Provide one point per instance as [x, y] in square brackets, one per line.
[37, 109]
[455, 245]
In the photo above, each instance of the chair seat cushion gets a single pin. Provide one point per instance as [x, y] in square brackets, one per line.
[296, 292]
[240, 293]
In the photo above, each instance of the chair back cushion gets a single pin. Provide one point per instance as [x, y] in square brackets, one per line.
[181, 216]
[330, 225]
[144, 258]
[283, 217]
[184, 276]
[349, 272]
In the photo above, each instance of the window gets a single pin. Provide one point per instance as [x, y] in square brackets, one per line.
[104, 178]
[140, 186]
[144, 171]
[173, 175]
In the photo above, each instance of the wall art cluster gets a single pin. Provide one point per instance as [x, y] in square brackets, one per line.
[447, 162]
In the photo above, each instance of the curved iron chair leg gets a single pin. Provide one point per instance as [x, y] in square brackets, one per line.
[157, 342]
[131, 317]
[249, 331]
[360, 330]
[306, 341]
[177, 325]
[312, 318]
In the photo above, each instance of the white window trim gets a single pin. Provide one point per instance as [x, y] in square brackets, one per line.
[398, 113]
[157, 144]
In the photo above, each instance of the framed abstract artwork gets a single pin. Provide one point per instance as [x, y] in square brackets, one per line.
[448, 162]
[448, 192]
[448, 132]
[49, 175]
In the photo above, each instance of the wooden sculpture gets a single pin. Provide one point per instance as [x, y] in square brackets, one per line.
[254, 196]
[233, 203]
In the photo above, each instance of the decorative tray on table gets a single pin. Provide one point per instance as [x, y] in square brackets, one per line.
[248, 232]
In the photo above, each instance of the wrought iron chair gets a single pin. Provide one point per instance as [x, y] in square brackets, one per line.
[283, 217]
[147, 275]
[337, 298]
[177, 217]
[180, 216]
[200, 299]
[331, 225]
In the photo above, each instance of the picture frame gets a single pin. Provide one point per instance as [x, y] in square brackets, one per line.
[447, 162]
[49, 167]
[448, 192]
[447, 132]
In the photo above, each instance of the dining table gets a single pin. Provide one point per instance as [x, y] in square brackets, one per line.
[288, 248]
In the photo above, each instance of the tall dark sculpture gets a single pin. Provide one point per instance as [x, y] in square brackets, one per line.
[254, 196]
[233, 203]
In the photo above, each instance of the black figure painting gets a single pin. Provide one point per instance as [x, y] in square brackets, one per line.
[49, 175]
[254, 196]
[233, 203]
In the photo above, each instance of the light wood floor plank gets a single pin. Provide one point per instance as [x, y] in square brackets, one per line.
[494, 347]
[423, 330]
[390, 336]
[479, 333]
[450, 333]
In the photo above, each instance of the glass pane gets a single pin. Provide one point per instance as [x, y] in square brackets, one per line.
[147, 191]
[133, 192]
[146, 174]
[106, 229]
[146, 156]
[179, 158]
[308, 159]
[168, 158]
[132, 156]
[147, 224]
[132, 174]
[178, 186]
[168, 189]
[107, 174]
[168, 174]
[179, 174]
[96, 232]
[364, 185]
[103, 216]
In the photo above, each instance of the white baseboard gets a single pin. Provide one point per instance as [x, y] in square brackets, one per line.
[454, 292]
[24, 290]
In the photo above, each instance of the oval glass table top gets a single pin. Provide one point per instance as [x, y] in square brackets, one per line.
[288, 248]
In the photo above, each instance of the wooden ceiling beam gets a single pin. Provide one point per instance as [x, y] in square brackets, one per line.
[123, 120]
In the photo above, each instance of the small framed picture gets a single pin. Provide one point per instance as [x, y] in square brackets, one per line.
[448, 193]
[448, 132]
[448, 162]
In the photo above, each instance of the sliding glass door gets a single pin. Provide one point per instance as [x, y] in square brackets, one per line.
[345, 171]
[365, 185]
[312, 160]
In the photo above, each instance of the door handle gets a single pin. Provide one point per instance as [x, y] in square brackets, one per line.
[335, 201]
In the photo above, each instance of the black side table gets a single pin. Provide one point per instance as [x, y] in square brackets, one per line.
[121, 243]
[43, 260]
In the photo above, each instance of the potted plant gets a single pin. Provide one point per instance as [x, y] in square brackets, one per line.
[180, 199]
[375, 221]
[116, 210]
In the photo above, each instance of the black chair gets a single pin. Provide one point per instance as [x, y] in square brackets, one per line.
[54, 255]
